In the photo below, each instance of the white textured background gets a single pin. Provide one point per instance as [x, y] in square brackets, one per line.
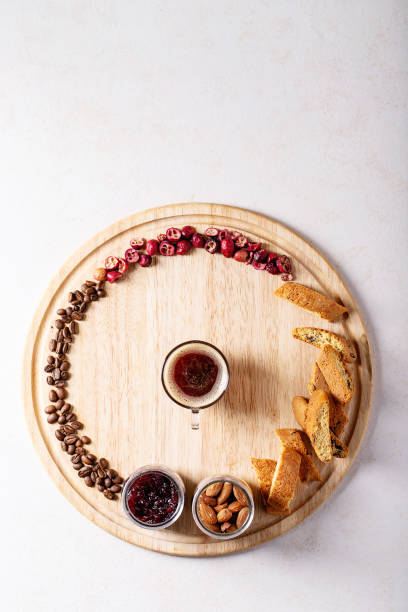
[297, 109]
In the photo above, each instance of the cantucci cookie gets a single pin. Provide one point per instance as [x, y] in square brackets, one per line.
[338, 417]
[284, 480]
[313, 417]
[264, 469]
[311, 300]
[336, 374]
[321, 337]
[298, 440]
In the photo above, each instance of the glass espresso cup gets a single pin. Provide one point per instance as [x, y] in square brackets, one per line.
[195, 375]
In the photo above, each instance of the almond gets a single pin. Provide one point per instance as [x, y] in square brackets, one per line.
[240, 496]
[242, 516]
[235, 506]
[210, 501]
[231, 529]
[215, 527]
[220, 507]
[214, 489]
[225, 493]
[225, 526]
[206, 513]
[224, 515]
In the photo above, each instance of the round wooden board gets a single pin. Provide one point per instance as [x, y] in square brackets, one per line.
[117, 357]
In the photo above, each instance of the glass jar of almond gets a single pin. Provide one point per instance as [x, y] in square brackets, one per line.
[223, 506]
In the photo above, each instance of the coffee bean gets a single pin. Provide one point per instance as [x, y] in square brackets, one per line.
[64, 447]
[70, 439]
[101, 293]
[60, 337]
[48, 368]
[77, 316]
[115, 488]
[59, 324]
[90, 290]
[78, 466]
[50, 360]
[109, 494]
[84, 306]
[59, 347]
[71, 417]
[64, 375]
[78, 443]
[79, 450]
[65, 347]
[73, 327]
[94, 476]
[84, 471]
[101, 473]
[60, 384]
[52, 345]
[71, 449]
[85, 440]
[65, 365]
[49, 409]
[52, 418]
[91, 457]
[76, 458]
[61, 419]
[76, 425]
[65, 408]
[61, 393]
[104, 463]
[86, 301]
[108, 483]
[117, 480]
[88, 481]
[94, 297]
[59, 435]
[111, 473]
[100, 488]
[61, 311]
[50, 380]
[86, 460]
[68, 430]
[56, 374]
[100, 284]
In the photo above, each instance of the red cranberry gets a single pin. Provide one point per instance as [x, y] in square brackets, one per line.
[113, 276]
[211, 231]
[227, 247]
[145, 261]
[211, 246]
[272, 268]
[250, 258]
[224, 234]
[284, 265]
[271, 256]
[287, 277]
[137, 243]
[258, 265]
[167, 249]
[241, 255]
[161, 237]
[260, 256]
[111, 263]
[132, 256]
[187, 232]
[183, 247]
[123, 265]
[241, 241]
[152, 247]
[173, 234]
[235, 234]
[198, 241]
[254, 246]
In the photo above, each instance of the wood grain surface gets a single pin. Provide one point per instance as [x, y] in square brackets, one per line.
[117, 357]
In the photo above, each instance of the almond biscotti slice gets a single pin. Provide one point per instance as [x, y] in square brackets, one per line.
[298, 440]
[311, 300]
[321, 337]
[313, 417]
[338, 418]
[284, 479]
[340, 450]
[336, 374]
[264, 469]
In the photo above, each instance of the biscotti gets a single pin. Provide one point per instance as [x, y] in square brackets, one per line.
[313, 417]
[298, 440]
[284, 479]
[336, 374]
[338, 418]
[322, 337]
[264, 469]
[311, 300]
[340, 450]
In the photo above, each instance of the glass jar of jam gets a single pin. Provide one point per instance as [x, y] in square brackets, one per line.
[153, 497]
[238, 508]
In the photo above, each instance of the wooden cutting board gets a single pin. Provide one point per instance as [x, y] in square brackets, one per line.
[117, 357]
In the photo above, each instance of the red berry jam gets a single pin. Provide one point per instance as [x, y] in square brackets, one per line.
[195, 374]
[152, 498]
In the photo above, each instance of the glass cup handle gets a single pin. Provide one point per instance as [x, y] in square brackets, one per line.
[195, 419]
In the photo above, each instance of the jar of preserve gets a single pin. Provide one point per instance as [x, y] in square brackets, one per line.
[223, 506]
[153, 497]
